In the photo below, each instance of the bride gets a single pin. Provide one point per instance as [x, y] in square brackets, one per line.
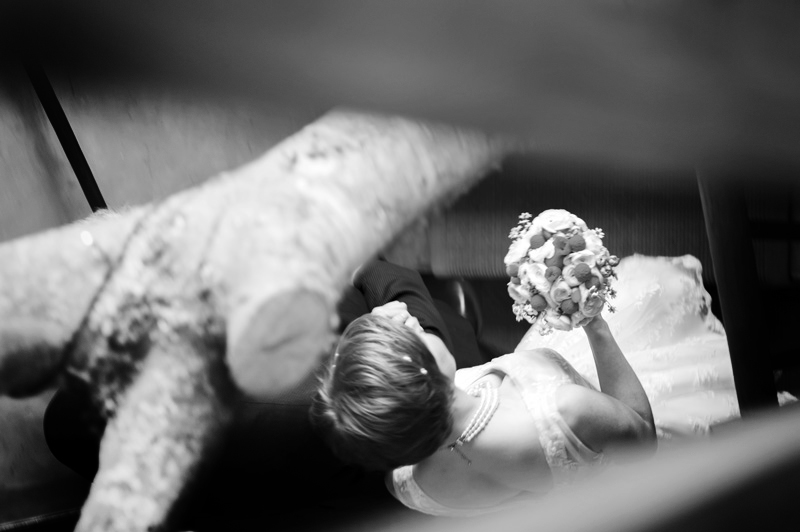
[559, 407]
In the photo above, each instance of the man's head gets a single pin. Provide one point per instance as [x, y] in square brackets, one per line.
[383, 401]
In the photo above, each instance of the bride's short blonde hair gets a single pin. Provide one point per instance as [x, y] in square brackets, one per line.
[383, 402]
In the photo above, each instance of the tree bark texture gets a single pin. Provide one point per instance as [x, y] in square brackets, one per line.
[169, 310]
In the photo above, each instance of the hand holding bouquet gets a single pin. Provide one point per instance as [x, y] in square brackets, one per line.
[560, 271]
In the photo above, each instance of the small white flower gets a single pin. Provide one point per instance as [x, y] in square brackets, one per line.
[533, 273]
[544, 252]
[518, 293]
[569, 276]
[594, 242]
[550, 301]
[517, 251]
[560, 291]
[587, 257]
[554, 220]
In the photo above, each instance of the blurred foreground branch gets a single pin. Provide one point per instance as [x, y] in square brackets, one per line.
[169, 310]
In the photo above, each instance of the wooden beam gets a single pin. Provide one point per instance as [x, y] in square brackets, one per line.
[743, 479]
[744, 316]
[659, 83]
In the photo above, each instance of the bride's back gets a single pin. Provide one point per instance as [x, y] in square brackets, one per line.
[506, 461]
[526, 448]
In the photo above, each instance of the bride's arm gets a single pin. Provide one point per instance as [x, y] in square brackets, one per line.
[605, 424]
[618, 416]
[614, 373]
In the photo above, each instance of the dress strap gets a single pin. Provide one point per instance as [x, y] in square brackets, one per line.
[408, 492]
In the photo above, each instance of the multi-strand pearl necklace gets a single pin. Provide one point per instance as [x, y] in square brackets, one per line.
[490, 400]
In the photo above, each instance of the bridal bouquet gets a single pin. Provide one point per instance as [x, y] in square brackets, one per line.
[560, 271]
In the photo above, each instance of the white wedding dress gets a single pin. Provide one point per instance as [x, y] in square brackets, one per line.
[678, 349]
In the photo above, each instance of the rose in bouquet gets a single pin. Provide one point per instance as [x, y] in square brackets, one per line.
[560, 271]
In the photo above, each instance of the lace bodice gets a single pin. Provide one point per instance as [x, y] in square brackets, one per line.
[537, 375]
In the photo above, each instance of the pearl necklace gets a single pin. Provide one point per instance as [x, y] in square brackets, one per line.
[490, 400]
